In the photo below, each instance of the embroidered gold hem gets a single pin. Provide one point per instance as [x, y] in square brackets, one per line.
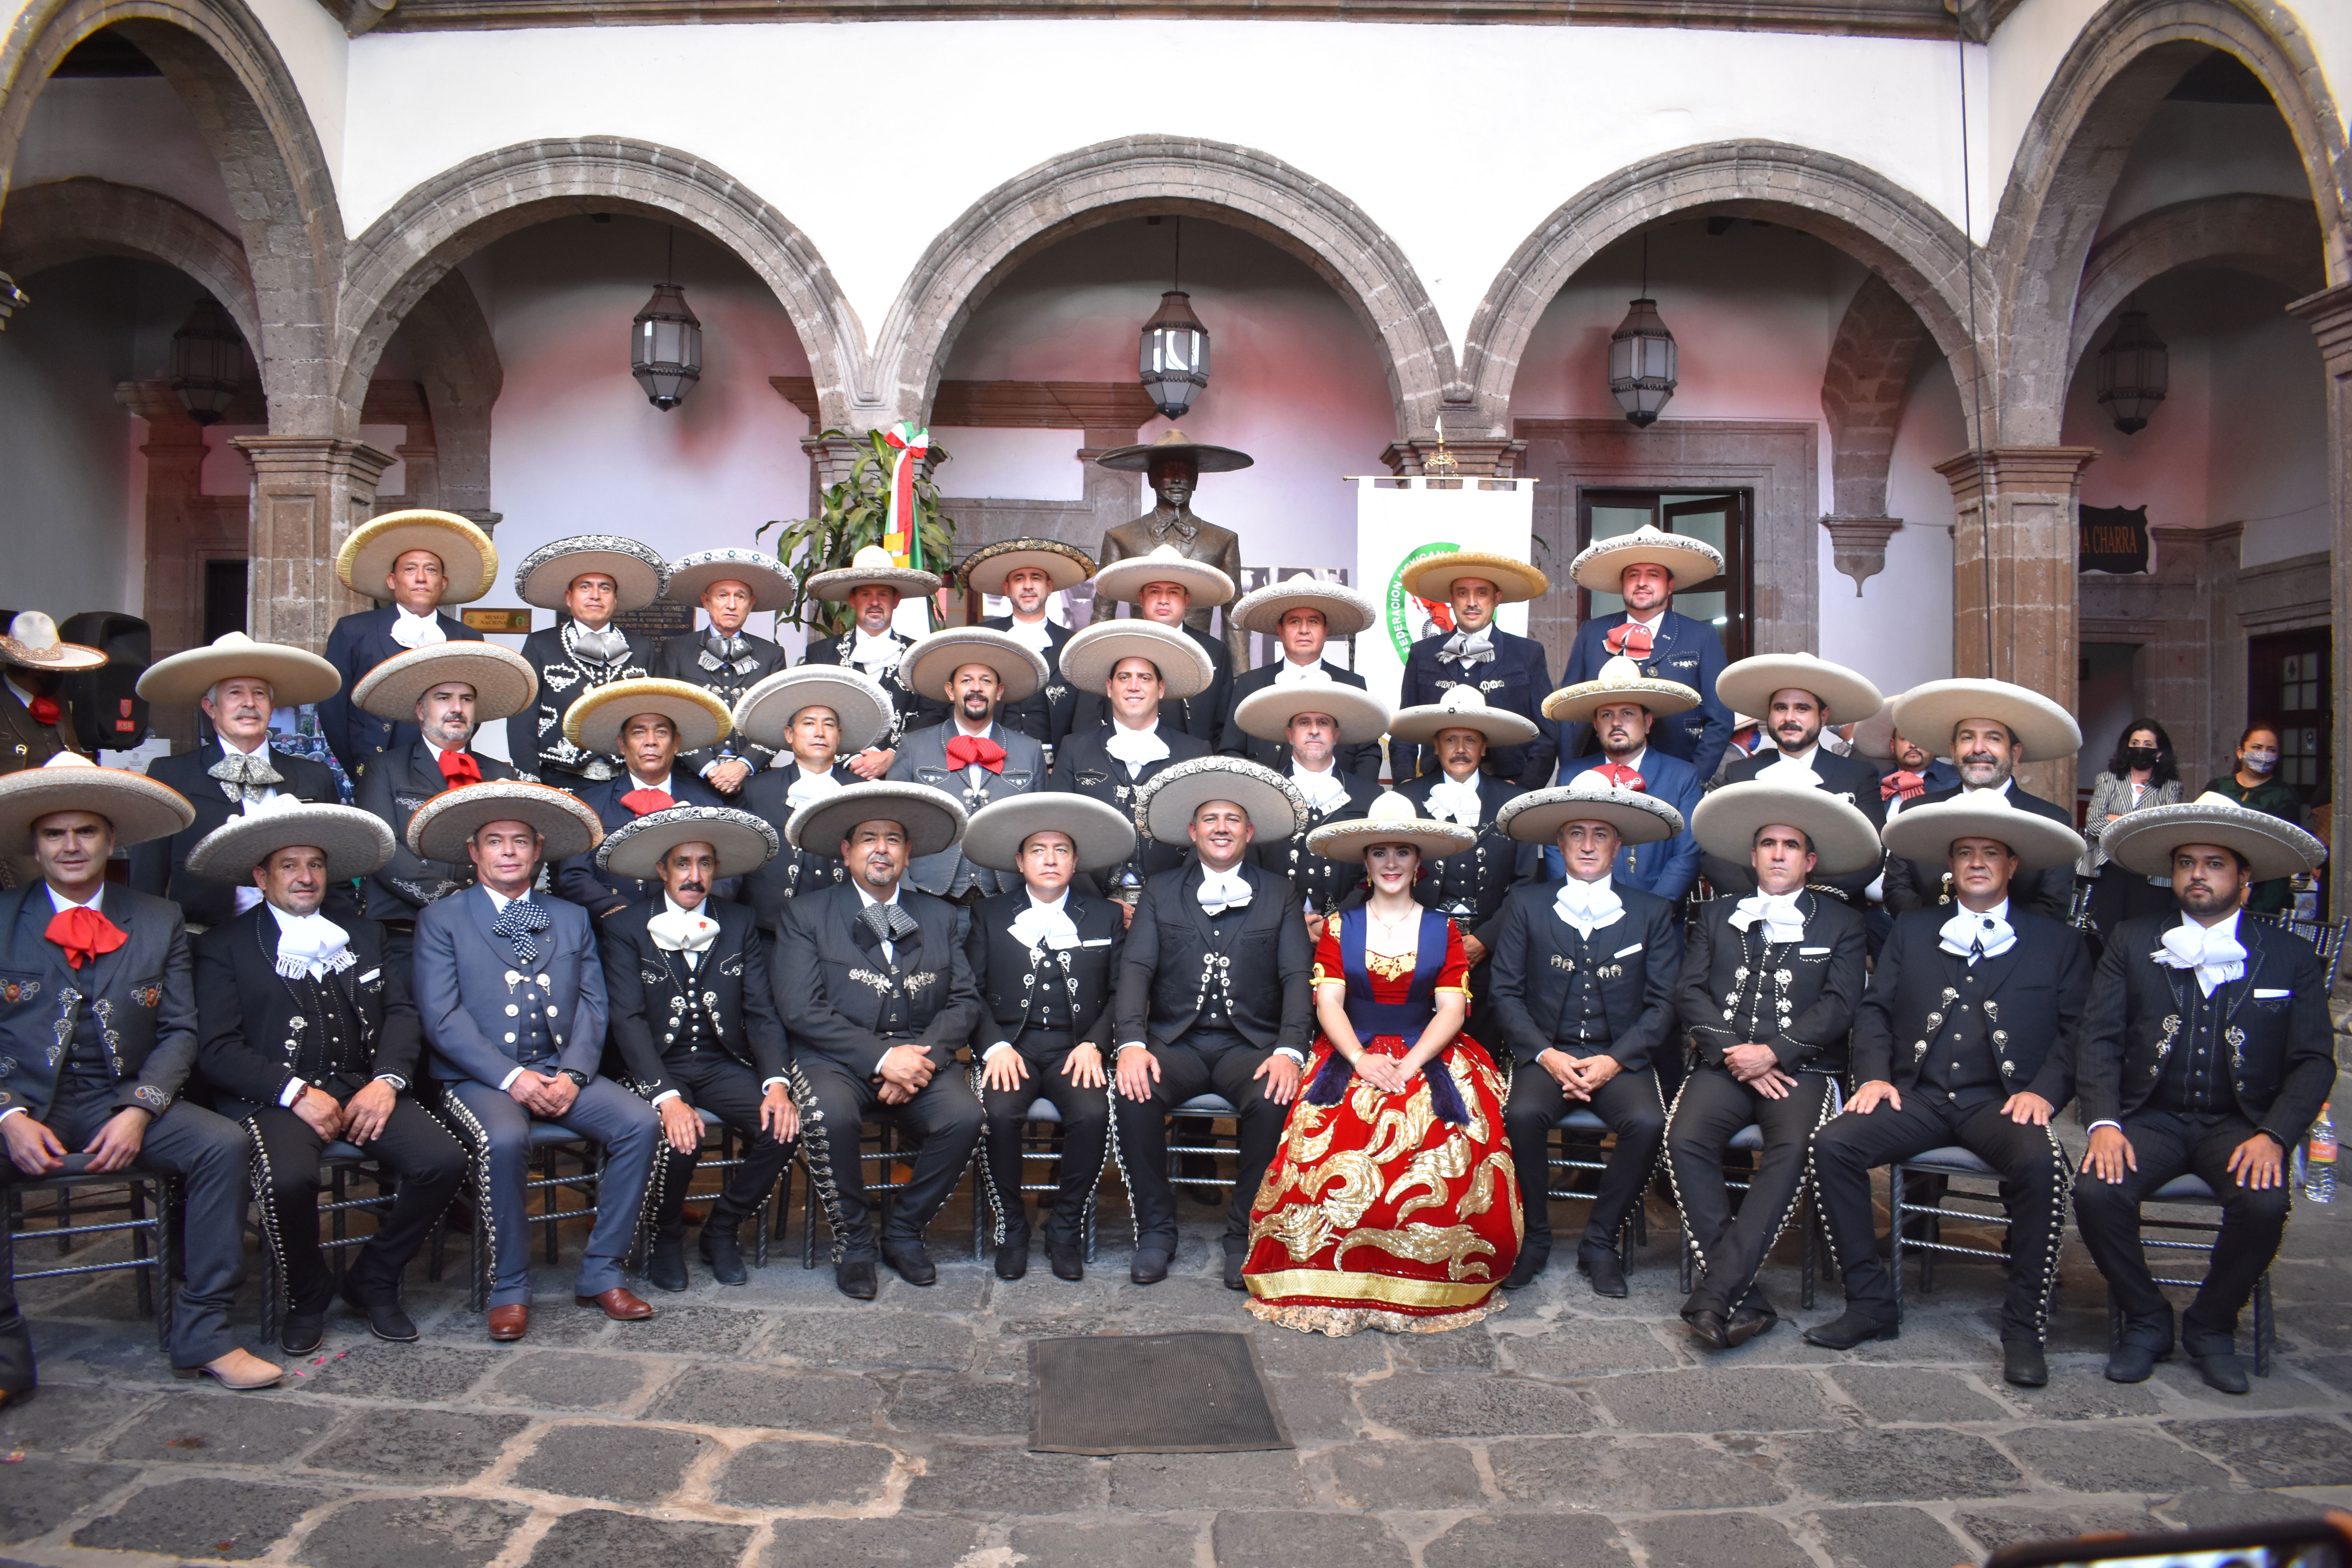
[1338, 1323]
[1352, 1285]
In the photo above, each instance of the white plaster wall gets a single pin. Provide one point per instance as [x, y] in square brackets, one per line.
[133, 131]
[2190, 151]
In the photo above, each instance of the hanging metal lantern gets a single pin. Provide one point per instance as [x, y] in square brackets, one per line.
[12, 300]
[1173, 358]
[207, 361]
[1642, 360]
[2134, 370]
[666, 347]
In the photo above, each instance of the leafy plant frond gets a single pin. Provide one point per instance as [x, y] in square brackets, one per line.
[851, 516]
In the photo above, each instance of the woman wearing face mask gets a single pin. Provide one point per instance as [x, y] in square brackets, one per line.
[2255, 785]
[2141, 773]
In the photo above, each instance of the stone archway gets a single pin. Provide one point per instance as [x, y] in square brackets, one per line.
[67, 220]
[2276, 237]
[1245, 189]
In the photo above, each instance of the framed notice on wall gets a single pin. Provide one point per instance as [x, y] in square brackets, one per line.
[1399, 521]
[497, 623]
[2113, 539]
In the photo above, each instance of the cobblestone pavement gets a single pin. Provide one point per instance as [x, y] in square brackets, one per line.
[783, 1426]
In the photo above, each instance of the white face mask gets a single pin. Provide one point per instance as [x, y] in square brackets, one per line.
[2262, 761]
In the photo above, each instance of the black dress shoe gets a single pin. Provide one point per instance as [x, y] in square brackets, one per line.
[1149, 1267]
[2022, 1364]
[1707, 1326]
[665, 1265]
[1013, 1259]
[1523, 1273]
[1069, 1258]
[913, 1264]
[1608, 1275]
[1849, 1329]
[723, 1250]
[1234, 1263]
[387, 1319]
[856, 1279]
[1747, 1323]
[2131, 1362]
[2223, 1370]
[302, 1332]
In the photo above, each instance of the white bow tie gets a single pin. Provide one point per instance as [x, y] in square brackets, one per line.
[2214, 953]
[416, 631]
[811, 786]
[1966, 929]
[1222, 891]
[678, 930]
[1139, 748]
[1042, 926]
[1790, 772]
[1323, 791]
[1782, 919]
[1455, 802]
[1039, 636]
[870, 650]
[1289, 674]
[310, 944]
[1588, 905]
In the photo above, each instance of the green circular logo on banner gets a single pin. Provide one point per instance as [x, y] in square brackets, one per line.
[1400, 624]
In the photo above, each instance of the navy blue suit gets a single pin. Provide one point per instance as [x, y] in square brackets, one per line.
[1518, 679]
[358, 644]
[1686, 651]
[1666, 868]
[601, 893]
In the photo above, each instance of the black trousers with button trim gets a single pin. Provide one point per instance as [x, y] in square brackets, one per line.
[713, 1082]
[1202, 1062]
[1085, 1137]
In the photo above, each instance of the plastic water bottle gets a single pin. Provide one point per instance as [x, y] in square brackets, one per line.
[2319, 1161]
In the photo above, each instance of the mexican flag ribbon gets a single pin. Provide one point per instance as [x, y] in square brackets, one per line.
[901, 535]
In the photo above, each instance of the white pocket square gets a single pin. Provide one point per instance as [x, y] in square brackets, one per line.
[1811, 952]
[1629, 951]
[372, 973]
[2261, 995]
[1096, 941]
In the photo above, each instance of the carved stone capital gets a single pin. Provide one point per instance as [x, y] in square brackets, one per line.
[1477, 456]
[1858, 546]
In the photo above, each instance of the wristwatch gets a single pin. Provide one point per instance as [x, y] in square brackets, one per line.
[579, 1079]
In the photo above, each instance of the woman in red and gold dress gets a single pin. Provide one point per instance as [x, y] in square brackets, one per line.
[1392, 1202]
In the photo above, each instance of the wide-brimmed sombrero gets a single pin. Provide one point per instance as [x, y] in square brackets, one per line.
[1102, 834]
[764, 715]
[31, 642]
[1173, 443]
[1266, 713]
[1928, 713]
[442, 824]
[504, 682]
[1122, 581]
[1927, 832]
[1432, 576]
[931, 661]
[743, 842]
[934, 820]
[1345, 611]
[1464, 706]
[355, 843]
[1164, 806]
[2143, 841]
[469, 562]
[1390, 819]
[1727, 819]
[1601, 565]
[1619, 681]
[1846, 697]
[1089, 657]
[141, 809]
[637, 570]
[770, 581]
[871, 564]
[700, 715]
[1066, 565]
[1537, 816]
[296, 676]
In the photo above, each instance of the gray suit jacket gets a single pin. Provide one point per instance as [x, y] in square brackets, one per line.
[142, 994]
[923, 759]
[463, 993]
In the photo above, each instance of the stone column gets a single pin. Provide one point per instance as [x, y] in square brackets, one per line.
[2014, 619]
[2329, 312]
[309, 492]
[1477, 457]
[831, 459]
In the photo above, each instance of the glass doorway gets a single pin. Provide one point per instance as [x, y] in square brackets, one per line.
[1724, 518]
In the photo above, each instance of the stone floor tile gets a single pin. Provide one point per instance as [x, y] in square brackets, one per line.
[1316, 1409]
[692, 1329]
[2081, 1395]
[1467, 1349]
[1899, 1465]
[1902, 1393]
[2109, 1457]
[909, 1540]
[1527, 1541]
[599, 1538]
[43, 1492]
[1632, 1474]
[217, 1427]
[1585, 1349]
[1123, 1542]
[1888, 1538]
[420, 1372]
[616, 1464]
[1713, 1399]
[2200, 1510]
[2276, 1451]
[567, 1380]
[413, 1532]
[210, 1518]
[729, 1393]
[555, 1321]
[878, 1337]
[1993, 1529]
[68, 1416]
[962, 1286]
[1715, 1540]
[972, 1477]
[965, 1406]
[2185, 1387]
[1432, 1405]
[1427, 1477]
[419, 1447]
[1281, 1350]
[1169, 1482]
[785, 1473]
[1305, 1541]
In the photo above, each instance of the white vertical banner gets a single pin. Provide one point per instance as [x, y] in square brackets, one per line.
[1399, 521]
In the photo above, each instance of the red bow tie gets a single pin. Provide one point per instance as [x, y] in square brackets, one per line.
[1622, 777]
[1633, 639]
[1902, 782]
[642, 801]
[45, 711]
[84, 933]
[459, 768]
[966, 750]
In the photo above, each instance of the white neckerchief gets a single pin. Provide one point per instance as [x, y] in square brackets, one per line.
[1783, 921]
[310, 944]
[1588, 905]
[868, 900]
[2213, 952]
[1289, 674]
[1455, 802]
[1222, 891]
[416, 631]
[1792, 772]
[677, 930]
[1045, 925]
[1966, 929]
[811, 786]
[1037, 639]
[1139, 748]
[871, 653]
[1323, 791]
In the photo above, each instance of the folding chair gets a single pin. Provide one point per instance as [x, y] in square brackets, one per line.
[1034, 1147]
[150, 1202]
[1953, 1164]
[2191, 1191]
[1584, 1130]
[2326, 937]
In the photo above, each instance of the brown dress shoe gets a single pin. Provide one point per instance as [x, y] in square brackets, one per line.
[508, 1324]
[620, 1304]
[239, 1369]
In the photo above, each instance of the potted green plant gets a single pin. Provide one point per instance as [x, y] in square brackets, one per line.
[851, 516]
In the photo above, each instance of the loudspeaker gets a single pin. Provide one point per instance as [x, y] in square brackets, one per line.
[103, 704]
